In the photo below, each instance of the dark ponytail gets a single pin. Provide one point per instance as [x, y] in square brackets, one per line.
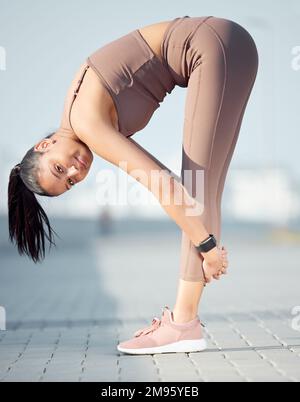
[26, 217]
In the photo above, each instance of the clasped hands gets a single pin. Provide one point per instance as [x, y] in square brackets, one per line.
[215, 263]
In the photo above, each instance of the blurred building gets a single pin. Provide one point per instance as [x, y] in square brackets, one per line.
[262, 195]
[105, 221]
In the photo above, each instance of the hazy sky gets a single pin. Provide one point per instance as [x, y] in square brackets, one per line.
[45, 42]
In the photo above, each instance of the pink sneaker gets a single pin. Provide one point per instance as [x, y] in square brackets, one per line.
[165, 336]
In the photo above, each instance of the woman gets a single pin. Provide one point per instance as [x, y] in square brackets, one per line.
[117, 90]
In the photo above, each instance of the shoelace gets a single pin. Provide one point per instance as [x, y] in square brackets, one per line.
[156, 322]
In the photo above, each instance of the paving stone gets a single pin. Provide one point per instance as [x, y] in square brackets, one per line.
[65, 321]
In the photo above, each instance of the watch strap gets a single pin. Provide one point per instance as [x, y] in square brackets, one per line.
[207, 244]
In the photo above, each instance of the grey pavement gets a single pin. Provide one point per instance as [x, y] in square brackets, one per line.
[66, 316]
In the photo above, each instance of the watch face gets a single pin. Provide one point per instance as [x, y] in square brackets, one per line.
[207, 244]
[210, 244]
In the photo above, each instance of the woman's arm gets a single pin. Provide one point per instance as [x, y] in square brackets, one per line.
[176, 191]
[103, 139]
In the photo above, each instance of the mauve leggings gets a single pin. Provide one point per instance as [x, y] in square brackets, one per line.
[217, 94]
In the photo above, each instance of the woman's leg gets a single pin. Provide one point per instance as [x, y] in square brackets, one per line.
[217, 95]
[187, 300]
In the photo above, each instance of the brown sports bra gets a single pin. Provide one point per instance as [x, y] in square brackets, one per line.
[135, 77]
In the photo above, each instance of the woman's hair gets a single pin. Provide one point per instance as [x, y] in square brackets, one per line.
[26, 217]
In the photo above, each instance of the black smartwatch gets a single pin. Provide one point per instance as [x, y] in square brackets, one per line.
[207, 244]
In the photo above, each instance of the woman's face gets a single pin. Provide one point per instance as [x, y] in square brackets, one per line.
[64, 163]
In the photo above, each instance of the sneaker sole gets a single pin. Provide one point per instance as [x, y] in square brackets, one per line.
[197, 345]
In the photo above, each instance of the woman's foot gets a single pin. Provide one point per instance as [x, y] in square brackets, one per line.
[165, 336]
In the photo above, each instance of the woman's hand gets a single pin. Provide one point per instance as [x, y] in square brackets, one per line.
[215, 263]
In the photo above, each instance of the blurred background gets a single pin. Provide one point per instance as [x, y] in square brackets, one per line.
[42, 44]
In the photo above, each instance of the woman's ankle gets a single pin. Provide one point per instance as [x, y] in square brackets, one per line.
[182, 316]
